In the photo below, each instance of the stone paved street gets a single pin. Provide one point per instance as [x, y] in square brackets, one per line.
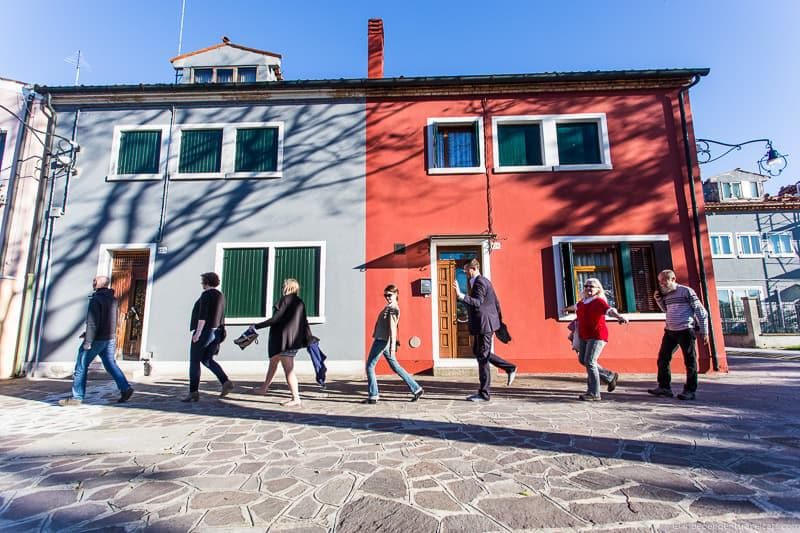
[533, 458]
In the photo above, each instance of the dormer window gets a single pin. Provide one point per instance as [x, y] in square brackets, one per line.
[739, 190]
[224, 74]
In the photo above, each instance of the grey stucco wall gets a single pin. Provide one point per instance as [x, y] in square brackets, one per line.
[321, 197]
[770, 273]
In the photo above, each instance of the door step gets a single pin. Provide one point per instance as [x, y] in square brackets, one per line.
[455, 371]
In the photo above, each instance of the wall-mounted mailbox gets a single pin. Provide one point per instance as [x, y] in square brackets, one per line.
[425, 287]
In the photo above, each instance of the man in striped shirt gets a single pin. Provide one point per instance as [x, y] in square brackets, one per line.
[686, 318]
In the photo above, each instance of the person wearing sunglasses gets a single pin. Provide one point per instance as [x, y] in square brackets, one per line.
[386, 342]
[593, 336]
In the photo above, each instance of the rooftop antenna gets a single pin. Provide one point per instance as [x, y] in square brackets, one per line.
[180, 34]
[79, 61]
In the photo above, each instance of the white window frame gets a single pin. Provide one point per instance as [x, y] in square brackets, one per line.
[549, 141]
[771, 251]
[223, 67]
[588, 239]
[228, 155]
[455, 121]
[115, 146]
[739, 251]
[270, 246]
[731, 241]
[519, 120]
[730, 184]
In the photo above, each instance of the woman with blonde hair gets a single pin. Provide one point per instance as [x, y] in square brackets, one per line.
[288, 333]
[593, 336]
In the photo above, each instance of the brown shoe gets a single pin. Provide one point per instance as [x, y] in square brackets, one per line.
[226, 388]
[66, 402]
[586, 397]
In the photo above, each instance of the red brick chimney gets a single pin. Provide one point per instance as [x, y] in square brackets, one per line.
[375, 48]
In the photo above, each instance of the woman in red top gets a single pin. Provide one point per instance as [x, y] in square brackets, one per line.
[593, 333]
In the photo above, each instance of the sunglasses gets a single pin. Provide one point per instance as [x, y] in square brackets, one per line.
[388, 294]
[591, 287]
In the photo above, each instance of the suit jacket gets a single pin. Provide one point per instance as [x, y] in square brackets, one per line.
[483, 307]
[289, 328]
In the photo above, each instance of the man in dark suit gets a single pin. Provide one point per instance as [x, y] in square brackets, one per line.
[484, 319]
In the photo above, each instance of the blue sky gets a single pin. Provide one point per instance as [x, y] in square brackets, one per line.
[750, 46]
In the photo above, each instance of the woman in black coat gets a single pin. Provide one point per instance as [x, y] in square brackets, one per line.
[288, 333]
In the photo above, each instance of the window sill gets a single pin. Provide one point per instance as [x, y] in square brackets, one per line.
[253, 175]
[198, 176]
[729, 256]
[566, 168]
[457, 170]
[134, 177]
[751, 256]
[531, 168]
[632, 317]
[782, 256]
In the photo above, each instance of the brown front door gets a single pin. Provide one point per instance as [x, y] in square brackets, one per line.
[129, 281]
[454, 337]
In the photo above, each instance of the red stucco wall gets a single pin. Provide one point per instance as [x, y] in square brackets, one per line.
[645, 193]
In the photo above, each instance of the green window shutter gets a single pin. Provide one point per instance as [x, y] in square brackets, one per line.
[519, 145]
[244, 282]
[644, 278]
[302, 264]
[2, 146]
[578, 143]
[139, 152]
[567, 267]
[201, 151]
[257, 150]
[627, 278]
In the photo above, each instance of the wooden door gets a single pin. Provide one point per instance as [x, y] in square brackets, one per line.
[454, 337]
[129, 281]
[446, 270]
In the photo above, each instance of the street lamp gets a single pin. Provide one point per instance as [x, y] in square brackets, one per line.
[772, 162]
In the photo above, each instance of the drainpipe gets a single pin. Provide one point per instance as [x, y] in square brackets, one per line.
[696, 218]
[165, 191]
[489, 214]
[12, 182]
[73, 156]
[42, 266]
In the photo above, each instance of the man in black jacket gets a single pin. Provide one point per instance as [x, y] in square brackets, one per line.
[99, 339]
[483, 308]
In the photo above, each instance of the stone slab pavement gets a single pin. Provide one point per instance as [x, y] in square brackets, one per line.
[533, 458]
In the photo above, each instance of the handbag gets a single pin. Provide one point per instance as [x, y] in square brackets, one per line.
[502, 333]
[247, 338]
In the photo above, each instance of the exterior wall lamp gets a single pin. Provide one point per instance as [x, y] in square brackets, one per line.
[771, 163]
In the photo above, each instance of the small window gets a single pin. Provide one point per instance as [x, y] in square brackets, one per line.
[519, 145]
[627, 270]
[256, 150]
[203, 75]
[781, 244]
[139, 152]
[455, 145]
[578, 143]
[246, 74]
[253, 275]
[749, 245]
[201, 151]
[224, 75]
[721, 245]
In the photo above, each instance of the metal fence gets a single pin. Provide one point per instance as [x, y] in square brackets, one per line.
[774, 317]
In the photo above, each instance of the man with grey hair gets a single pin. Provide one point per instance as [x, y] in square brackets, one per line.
[99, 339]
[686, 318]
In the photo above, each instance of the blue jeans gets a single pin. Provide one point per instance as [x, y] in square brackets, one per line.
[318, 360]
[105, 349]
[381, 346]
[202, 352]
[589, 353]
